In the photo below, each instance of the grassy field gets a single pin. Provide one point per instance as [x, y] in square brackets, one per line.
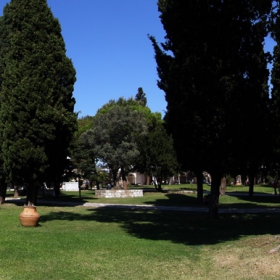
[90, 243]
[180, 195]
[101, 243]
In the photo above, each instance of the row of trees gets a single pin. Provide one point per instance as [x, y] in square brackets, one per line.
[37, 119]
[126, 136]
[213, 70]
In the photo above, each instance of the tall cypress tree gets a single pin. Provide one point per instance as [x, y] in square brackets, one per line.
[3, 185]
[275, 81]
[211, 64]
[36, 114]
[249, 104]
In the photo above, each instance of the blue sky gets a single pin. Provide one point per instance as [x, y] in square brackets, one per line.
[108, 44]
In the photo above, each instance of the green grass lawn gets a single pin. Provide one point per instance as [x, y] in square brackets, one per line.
[180, 195]
[185, 195]
[89, 243]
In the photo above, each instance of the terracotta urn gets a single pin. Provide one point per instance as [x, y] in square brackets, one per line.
[29, 217]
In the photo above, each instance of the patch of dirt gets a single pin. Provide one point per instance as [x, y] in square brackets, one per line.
[249, 258]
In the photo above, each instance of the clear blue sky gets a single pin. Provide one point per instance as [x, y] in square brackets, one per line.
[108, 44]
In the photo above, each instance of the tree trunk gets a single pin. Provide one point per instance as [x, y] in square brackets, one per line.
[251, 185]
[3, 192]
[148, 180]
[159, 185]
[223, 186]
[199, 187]
[97, 183]
[31, 198]
[114, 176]
[123, 178]
[214, 195]
[80, 182]
[56, 189]
[15, 191]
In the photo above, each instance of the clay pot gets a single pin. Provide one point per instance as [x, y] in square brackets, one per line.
[29, 217]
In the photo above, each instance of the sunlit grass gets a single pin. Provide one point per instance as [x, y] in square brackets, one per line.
[87, 243]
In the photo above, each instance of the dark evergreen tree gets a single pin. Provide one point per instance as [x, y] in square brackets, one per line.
[141, 96]
[210, 66]
[36, 114]
[85, 157]
[3, 183]
[157, 157]
[275, 81]
[248, 109]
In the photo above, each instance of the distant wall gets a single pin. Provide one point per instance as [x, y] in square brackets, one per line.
[118, 193]
[136, 178]
[70, 186]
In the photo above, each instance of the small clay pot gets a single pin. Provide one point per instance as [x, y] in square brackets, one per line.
[29, 217]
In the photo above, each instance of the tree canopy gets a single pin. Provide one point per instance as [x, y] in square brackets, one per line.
[84, 124]
[127, 136]
[157, 155]
[212, 68]
[275, 93]
[115, 129]
[36, 113]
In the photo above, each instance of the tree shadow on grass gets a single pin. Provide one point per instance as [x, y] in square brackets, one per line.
[262, 199]
[257, 201]
[178, 227]
[49, 200]
[176, 199]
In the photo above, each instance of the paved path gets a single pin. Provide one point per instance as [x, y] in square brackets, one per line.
[185, 209]
[155, 207]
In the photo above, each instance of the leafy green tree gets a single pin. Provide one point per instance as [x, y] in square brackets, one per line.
[157, 156]
[210, 64]
[122, 102]
[87, 145]
[36, 113]
[85, 157]
[115, 130]
[141, 96]
[84, 124]
[80, 157]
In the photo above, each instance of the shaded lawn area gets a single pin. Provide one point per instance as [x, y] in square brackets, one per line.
[180, 199]
[89, 243]
[176, 195]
